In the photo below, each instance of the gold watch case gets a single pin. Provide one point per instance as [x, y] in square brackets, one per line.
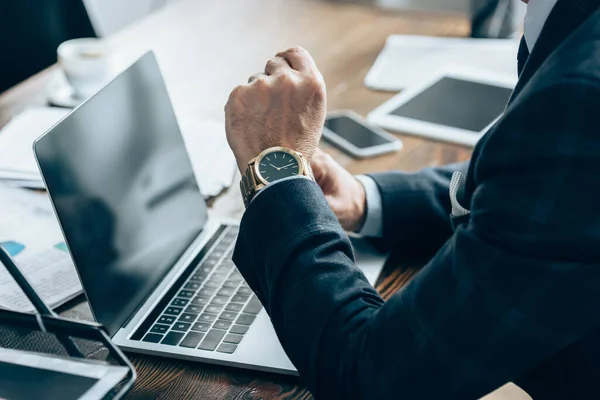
[252, 181]
[302, 163]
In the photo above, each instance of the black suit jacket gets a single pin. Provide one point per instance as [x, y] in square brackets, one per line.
[512, 294]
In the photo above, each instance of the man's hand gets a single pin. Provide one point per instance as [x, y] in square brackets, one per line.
[284, 106]
[346, 196]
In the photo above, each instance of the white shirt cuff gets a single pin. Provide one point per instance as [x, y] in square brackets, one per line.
[373, 225]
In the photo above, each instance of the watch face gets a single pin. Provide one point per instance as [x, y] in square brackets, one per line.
[277, 165]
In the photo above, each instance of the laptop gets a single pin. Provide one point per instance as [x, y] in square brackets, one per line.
[156, 269]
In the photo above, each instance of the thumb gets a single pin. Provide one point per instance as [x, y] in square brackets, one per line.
[319, 164]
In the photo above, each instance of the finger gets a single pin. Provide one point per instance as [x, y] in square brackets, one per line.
[319, 164]
[299, 59]
[276, 66]
[255, 77]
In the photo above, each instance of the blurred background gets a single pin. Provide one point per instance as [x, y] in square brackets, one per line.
[31, 30]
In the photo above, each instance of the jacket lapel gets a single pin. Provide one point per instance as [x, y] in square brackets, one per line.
[565, 18]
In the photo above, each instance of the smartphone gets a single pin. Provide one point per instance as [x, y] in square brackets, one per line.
[354, 135]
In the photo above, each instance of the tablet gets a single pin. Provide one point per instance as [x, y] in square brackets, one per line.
[25, 376]
[455, 104]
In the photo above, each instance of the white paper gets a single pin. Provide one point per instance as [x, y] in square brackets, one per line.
[212, 159]
[17, 137]
[30, 233]
[407, 59]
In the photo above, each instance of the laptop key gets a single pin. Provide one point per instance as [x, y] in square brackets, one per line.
[245, 319]
[200, 301]
[198, 277]
[228, 315]
[205, 269]
[234, 339]
[240, 298]
[192, 285]
[218, 277]
[231, 284]
[192, 340]
[224, 269]
[254, 306]
[225, 292]
[185, 317]
[221, 324]
[223, 246]
[220, 300]
[212, 284]
[166, 319]
[180, 302]
[239, 329]
[159, 328]
[173, 338]
[207, 317]
[245, 290]
[173, 310]
[234, 307]
[194, 309]
[214, 308]
[211, 340]
[207, 292]
[181, 326]
[152, 338]
[201, 326]
[186, 294]
[227, 348]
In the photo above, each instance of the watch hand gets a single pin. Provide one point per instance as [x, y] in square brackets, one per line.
[275, 167]
[287, 166]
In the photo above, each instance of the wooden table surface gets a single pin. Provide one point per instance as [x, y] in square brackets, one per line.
[207, 47]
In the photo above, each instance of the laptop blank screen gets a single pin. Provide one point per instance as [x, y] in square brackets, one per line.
[123, 187]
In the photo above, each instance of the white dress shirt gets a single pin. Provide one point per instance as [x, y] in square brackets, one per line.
[538, 12]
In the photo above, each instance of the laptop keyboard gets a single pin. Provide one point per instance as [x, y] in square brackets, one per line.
[212, 310]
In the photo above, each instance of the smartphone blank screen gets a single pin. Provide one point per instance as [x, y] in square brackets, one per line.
[355, 133]
[457, 103]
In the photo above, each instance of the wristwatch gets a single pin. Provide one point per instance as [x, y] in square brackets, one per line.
[271, 165]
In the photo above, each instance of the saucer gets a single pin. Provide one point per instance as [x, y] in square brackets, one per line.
[64, 97]
[60, 93]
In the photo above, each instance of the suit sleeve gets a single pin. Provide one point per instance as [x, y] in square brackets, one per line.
[416, 208]
[506, 292]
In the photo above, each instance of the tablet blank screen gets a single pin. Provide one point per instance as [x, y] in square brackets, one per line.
[457, 103]
[20, 382]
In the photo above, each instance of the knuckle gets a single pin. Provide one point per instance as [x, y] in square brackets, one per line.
[316, 86]
[260, 83]
[286, 79]
[297, 49]
[271, 64]
[236, 93]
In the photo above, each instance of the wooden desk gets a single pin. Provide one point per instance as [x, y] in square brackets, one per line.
[206, 48]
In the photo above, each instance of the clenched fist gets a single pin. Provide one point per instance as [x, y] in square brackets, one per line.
[284, 106]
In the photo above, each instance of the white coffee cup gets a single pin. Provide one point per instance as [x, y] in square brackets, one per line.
[86, 65]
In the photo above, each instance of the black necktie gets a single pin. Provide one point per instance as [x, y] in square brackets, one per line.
[523, 55]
